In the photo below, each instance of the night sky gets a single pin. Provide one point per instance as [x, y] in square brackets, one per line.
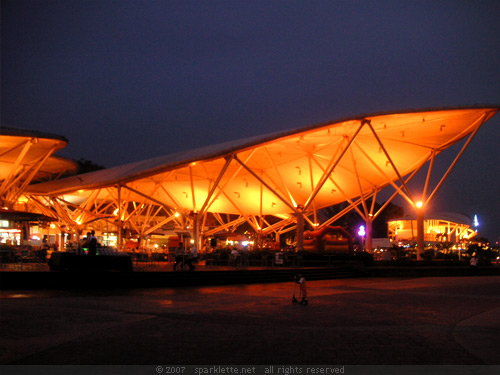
[129, 80]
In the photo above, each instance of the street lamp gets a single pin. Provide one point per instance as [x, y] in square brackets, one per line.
[362, 233]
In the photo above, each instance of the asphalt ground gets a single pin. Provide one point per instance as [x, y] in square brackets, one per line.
[364, 321]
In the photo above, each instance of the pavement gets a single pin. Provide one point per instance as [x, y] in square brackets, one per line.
[356, 321]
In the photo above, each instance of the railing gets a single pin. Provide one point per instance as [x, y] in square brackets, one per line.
[23, 264]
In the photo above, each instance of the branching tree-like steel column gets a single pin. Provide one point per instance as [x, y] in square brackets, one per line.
[291, 176]
[21, 173]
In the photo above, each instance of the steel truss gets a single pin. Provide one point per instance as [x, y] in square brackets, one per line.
[189, 195]
[22, 171]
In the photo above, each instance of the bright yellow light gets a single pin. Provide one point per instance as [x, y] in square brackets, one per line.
[177, 214]
[419, 204]
[115, 212]
[80, 191]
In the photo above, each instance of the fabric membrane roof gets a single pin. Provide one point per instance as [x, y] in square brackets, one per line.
[454, 217]
[22, 148]
[319, 165]
[27, 156]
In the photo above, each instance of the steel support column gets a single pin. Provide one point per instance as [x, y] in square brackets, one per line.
[120, 222]
[196, 234]
[300, 229]
[420, 233]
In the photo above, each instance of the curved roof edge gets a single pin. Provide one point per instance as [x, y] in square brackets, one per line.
[159, 164]
[5, 130]
[58, 165]
[455, 217]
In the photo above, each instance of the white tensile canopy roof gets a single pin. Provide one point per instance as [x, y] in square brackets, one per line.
[22, 148]
[27, 156]
[310, 167]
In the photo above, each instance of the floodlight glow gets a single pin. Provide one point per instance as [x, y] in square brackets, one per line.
[476, 222]
[419, 204]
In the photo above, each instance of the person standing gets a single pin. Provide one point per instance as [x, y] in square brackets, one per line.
[179, 255]
[473, 264]
[84, 244]
[190, 259]
[43, 250]
[235, 256]
[92, 243]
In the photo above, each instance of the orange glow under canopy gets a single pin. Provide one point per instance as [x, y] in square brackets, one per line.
[318, 165]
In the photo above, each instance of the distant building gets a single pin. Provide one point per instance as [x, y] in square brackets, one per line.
[438, 227]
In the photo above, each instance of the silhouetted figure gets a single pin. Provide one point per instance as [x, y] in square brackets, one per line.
[43, 251]
[473, 264]
[299, 279]
[189, 261]
[92, 244]
[179, 255]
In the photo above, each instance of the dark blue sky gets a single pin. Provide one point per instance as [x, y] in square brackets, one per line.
[128, 80]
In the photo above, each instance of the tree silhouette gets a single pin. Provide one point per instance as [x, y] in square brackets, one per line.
[85, 166]
[352, 220]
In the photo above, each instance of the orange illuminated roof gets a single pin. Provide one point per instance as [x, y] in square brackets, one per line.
[326, 164]
[21, 149]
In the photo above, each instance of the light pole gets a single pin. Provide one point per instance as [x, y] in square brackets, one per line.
[420, 230]
[362, 232]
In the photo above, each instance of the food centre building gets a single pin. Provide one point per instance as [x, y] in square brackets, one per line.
[438, 228]
[27, 157]
[275, 183]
